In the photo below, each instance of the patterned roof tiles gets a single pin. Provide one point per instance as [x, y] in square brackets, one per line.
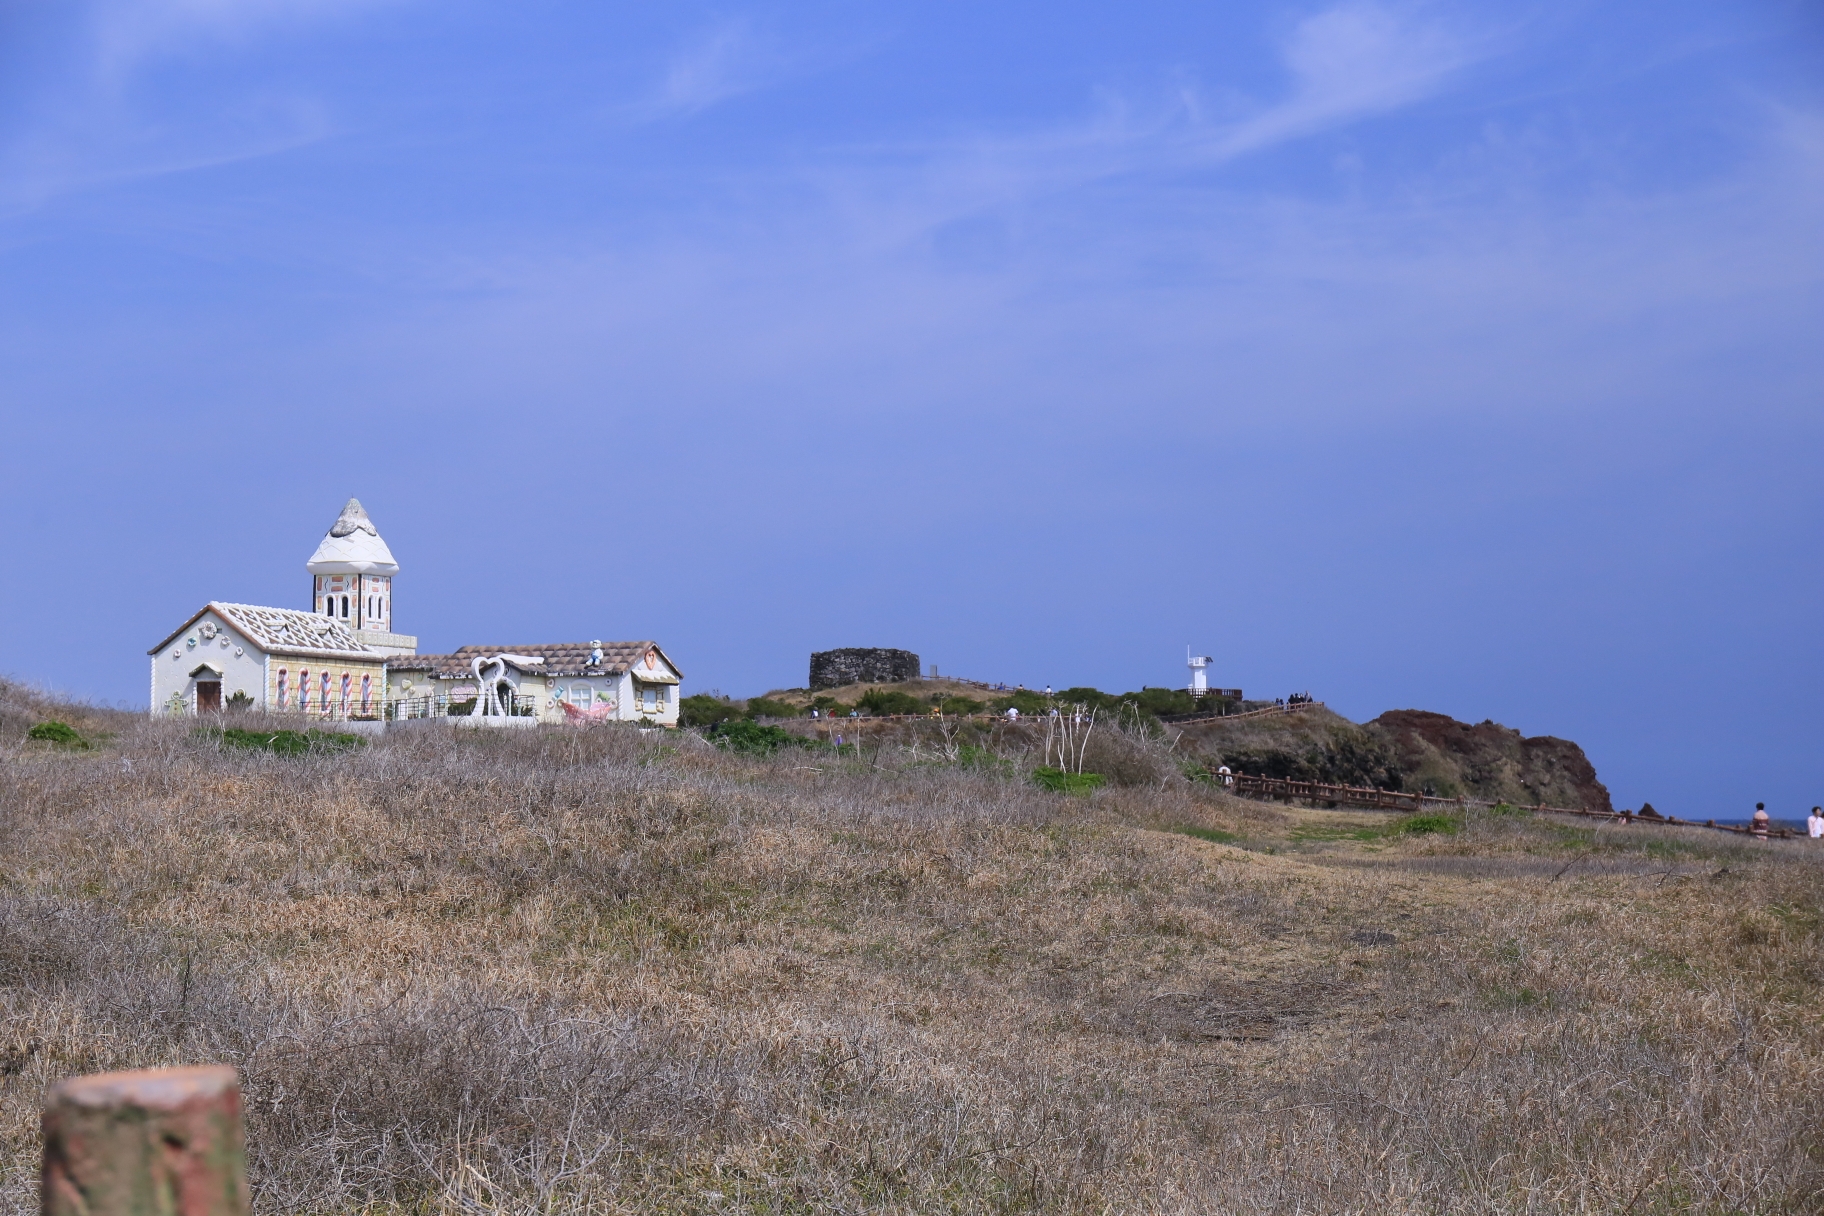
[572, 658]
[273, 629]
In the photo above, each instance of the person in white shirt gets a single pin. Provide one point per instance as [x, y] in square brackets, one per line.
[1815, 823]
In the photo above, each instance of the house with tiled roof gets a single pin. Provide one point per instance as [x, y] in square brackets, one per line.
[555, 682]
[266, 658]
[342, 661]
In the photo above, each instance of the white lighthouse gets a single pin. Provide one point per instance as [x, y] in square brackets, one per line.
[1197, 663]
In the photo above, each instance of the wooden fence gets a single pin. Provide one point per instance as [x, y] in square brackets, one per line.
[1369, 798]
[1270, 711]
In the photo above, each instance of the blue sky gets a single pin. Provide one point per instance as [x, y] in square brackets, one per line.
[1449, 356]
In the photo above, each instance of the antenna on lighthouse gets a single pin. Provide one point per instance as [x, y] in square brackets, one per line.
[1197, 662]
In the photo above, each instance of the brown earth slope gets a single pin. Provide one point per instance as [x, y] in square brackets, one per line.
[1490, 761]
[1408, 749]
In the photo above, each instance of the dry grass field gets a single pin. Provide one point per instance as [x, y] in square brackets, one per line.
[608, 971]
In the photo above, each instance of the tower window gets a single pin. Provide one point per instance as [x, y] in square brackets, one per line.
[345, 607]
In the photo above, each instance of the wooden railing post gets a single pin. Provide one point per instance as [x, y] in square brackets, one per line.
[163, 1142]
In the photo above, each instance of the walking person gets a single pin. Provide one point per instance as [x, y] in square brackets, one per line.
[1760, 822]
[1814, 823]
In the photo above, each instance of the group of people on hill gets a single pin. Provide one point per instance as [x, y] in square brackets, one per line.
[1762, 821]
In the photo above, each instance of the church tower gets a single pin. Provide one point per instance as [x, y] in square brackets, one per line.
[352, 580]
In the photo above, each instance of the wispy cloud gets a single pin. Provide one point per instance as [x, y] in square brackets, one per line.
[127, 33]
[1344, 64]
[94, 110]
[728, 62]
[733, 58]
[1350, 62]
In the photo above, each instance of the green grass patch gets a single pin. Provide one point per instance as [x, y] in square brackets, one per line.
[1341, 831]
[1516, 998]
[1213, 835]
[753, 738]
[1426, 825]
[288, 742]
[62, 734]
[1061, 782]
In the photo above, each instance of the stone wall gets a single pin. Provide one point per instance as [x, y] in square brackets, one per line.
[862, 665]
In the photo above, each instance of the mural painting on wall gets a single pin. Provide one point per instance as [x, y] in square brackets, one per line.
[580, 704]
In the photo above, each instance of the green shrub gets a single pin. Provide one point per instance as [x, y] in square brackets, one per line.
[752, 738]
[240, 702]
[705, 710]
[462, 709]
[763, 707]
[960, 705]
[1424, 825]
[60, 733]
[1159, 701]
[289, 742]
[1094, 698]
[828, 704]
[1061, 782]
[984, 758]
[882, 702]
[1025, 700]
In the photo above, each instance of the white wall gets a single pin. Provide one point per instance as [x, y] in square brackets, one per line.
[243, 666]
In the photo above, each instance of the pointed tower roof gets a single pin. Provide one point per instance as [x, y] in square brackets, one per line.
[353, 546]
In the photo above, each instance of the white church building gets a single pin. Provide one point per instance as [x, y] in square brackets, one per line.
[341, 661]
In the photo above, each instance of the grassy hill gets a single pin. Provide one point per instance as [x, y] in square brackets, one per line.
[600, 970]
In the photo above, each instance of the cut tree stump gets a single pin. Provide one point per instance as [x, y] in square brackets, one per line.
[162, 1142]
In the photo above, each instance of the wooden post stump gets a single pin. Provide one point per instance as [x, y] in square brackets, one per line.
[162, 1142]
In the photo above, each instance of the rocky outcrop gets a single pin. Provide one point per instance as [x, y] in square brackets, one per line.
[862, 665]
[1449, 758]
